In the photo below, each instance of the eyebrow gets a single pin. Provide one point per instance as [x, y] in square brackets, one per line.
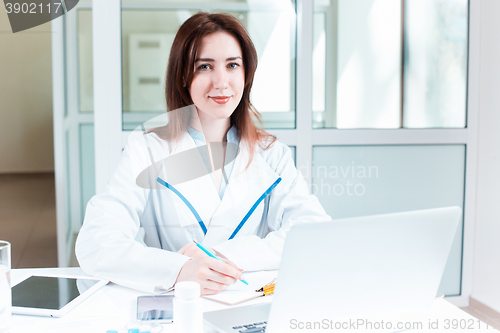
[212, 60]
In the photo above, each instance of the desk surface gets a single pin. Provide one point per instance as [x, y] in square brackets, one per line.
[113, 308]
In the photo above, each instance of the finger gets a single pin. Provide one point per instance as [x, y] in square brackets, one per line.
[192, 251]
[219, 278]
[216, 291]
[212, 286]
[218, 254]
[226, 260]
[223, 268]
[206, 273]
[229, 262]
[195, 253]
[206, 291]
[183, 249]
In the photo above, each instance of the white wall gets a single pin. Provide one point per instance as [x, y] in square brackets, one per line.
[26, 139]
[486, 278]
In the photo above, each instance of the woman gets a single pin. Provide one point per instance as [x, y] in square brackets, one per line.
[140, 232]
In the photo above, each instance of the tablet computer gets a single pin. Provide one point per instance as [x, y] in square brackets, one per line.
[52, 296]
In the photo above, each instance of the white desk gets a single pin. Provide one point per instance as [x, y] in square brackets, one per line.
[113, 307]
[110, 308]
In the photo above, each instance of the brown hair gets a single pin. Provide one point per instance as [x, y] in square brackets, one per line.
[180, 72]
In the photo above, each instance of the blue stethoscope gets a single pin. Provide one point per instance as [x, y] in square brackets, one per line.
[197, 216]
[193, 210]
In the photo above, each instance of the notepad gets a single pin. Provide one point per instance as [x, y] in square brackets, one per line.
[238, 293]
[234, 297]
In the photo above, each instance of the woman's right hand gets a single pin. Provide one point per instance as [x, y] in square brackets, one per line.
[212, 275]
[193, 251]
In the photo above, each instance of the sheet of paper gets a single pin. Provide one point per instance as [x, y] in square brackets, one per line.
[240, 292]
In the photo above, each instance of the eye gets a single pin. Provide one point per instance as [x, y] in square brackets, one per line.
[233, 65]
[204, 67]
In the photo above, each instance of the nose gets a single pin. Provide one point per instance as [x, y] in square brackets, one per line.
[220, 79]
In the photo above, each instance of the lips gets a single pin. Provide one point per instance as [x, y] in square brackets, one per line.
[220, 99]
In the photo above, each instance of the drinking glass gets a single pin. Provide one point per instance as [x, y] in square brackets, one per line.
[5, 291]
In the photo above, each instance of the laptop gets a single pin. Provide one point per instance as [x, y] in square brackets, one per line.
[351, 267]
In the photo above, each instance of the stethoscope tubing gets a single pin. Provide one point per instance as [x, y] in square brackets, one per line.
[198, 217]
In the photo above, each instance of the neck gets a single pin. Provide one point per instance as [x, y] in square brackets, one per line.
[214, 130]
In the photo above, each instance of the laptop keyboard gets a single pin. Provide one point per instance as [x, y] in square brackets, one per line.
[251, 328]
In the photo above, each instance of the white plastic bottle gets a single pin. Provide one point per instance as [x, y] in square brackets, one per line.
[188, 308]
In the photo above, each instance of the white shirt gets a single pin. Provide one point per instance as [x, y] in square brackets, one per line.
[231, 137]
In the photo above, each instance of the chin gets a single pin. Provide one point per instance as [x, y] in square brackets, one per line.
[223, 113]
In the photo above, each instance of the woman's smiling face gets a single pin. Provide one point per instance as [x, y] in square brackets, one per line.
[219, 77]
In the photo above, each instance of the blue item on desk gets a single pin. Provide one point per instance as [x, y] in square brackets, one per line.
[132, 330]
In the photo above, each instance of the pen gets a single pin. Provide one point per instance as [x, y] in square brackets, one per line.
[207, 251]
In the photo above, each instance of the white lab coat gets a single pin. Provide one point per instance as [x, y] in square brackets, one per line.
[131, 234]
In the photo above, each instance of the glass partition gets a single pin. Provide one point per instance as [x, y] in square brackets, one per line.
[87, 163]
[390, 64]
[85, 68]
[435, 71]
[361, 76]
[366, 180]
[294, 154]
